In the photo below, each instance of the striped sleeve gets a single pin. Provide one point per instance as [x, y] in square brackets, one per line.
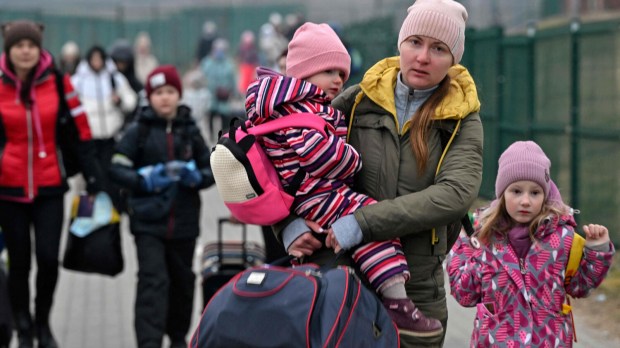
[76, 109]
[324, 157]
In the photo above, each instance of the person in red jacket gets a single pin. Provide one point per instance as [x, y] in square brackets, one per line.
[32, 174]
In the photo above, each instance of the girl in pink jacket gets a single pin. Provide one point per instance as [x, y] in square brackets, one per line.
[513, 268]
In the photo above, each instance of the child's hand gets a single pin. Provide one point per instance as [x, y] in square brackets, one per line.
[596, 234]
[331, 241]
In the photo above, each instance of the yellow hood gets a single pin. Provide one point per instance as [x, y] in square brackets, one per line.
[380, 80]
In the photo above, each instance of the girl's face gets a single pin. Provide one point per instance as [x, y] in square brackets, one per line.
[96, 61]
[164, 100]
[330, 81]
[424, 61]
[25, 56]
[524, 201]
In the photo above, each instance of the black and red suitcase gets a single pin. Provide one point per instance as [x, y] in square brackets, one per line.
[225, 257]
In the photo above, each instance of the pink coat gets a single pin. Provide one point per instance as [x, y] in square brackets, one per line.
[523, 307]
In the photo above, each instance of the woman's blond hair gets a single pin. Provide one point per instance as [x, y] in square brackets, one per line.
[421, 122]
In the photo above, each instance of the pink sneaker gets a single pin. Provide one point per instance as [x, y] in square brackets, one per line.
[410, 321]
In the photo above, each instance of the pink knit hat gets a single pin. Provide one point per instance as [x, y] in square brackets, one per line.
[443, 20]
[523, 160]
[315, 48]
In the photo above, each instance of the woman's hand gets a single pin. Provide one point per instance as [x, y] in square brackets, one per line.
[331, 241]
[306, 244]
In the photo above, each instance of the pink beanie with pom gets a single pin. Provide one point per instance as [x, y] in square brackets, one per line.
[523, 160]
[316, 48]
[443, 20]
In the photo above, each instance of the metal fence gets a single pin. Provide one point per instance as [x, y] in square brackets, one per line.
[558, 86]
[556, 83]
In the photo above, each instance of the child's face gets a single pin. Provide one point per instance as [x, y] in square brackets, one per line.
[330, 81]
[165, 101]
[96, 61]
[524, 201]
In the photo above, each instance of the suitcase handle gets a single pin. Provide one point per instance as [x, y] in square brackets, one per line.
[244, 232]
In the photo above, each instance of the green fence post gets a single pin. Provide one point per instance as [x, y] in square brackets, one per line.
[575, 26]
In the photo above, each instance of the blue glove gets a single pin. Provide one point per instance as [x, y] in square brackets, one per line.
[155, 178]
[190, 176]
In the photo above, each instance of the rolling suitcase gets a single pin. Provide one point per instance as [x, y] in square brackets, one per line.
[224, 258]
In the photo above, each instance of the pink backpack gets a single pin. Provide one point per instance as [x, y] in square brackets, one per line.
[246, 179]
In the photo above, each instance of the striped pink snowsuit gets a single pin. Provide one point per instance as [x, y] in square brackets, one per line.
[329, 162]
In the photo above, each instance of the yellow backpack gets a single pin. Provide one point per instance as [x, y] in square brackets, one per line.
[574, 259]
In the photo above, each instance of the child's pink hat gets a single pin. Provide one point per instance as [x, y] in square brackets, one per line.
[523, 160]
[316, 48]
[443, 20]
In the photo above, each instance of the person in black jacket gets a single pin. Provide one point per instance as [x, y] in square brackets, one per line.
[164, 161]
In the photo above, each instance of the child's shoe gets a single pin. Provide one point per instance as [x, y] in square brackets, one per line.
[409, 320]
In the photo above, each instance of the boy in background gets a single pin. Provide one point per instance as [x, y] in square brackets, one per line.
[164, 161]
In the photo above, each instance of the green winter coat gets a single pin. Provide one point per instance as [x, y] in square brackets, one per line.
[416, 208]
[412, 205]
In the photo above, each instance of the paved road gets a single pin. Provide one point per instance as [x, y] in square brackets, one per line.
[96, 311]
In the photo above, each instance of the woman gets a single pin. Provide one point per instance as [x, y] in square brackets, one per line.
[107, 98]
[218, 69]
[32, 176]
[398, 114]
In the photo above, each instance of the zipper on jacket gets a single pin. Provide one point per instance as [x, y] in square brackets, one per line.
[30, 187]
[101, 107]
[522, 266]
[170, 156]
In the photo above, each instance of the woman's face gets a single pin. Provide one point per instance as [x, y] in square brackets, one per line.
[424, 61]
[24, 55]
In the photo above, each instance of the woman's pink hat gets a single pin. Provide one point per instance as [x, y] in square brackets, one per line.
[316, 48]
[443, 20]
[523, 160]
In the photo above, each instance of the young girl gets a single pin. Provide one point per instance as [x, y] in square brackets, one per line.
[513, 268]
[163, 155]
[318, 65]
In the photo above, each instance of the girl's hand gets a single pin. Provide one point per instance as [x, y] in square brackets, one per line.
[306, 244]
[596, 234]
[331, 241]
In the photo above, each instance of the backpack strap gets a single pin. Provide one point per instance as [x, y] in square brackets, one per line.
[446, 141]
[574, 259]
[297, 120]
[143, 133]
[60, 89]
[113, 81]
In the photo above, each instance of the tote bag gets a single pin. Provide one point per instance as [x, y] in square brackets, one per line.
[94, 239]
